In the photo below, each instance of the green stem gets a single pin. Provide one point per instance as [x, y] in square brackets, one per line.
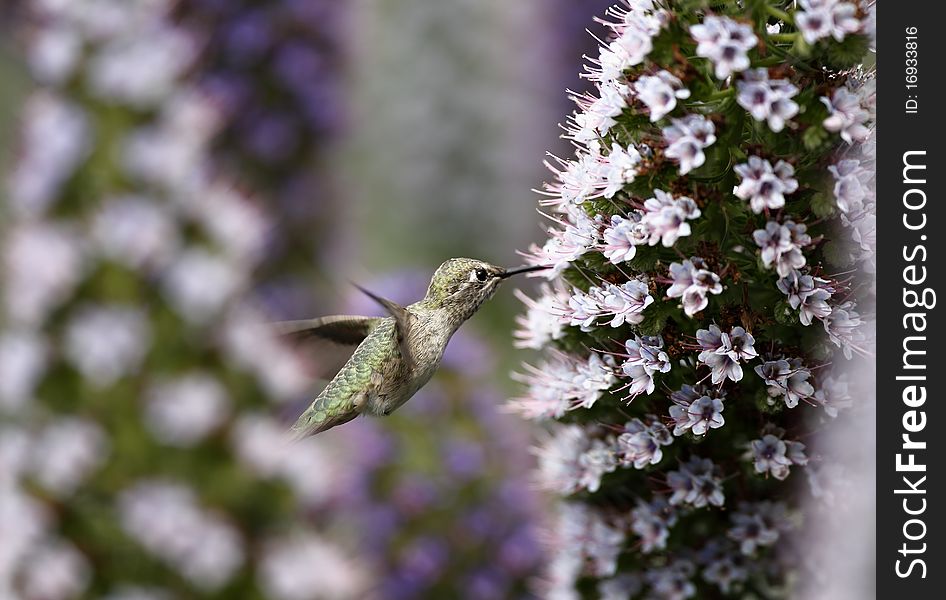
[779, 14]
[720, 94]
[769, 62]
[784, 37]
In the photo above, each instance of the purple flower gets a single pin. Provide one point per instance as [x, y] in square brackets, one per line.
[673, 581]
[763, 185]
[665, 217]
[692, 282]
[788, 379]
[696, 484]
[722, 352]
[769, 455]
[623, 236]
[686, 139]
[808, 295]
[781, 245]
[660, 93]
[751, 530]
[640, 444]
[851, 187]
[846, 116]
[651, 521]
[725, 42]
[647, 352]
[834, 394]
[699, 416]
[822, 18]
[767, 99]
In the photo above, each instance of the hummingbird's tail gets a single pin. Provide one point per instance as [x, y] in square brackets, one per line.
[318, 418]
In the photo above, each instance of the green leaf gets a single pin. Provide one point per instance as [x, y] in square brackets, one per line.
[822, 205]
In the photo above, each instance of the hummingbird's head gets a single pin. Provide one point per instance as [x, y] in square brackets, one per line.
[462, 285]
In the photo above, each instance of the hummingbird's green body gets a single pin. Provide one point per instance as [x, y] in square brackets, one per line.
[397, 355]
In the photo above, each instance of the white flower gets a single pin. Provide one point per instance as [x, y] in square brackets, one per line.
[621, 587]
[853, 192]
[693, 281]
[56, 139]
[563, 383]
[542, 323]
[763, 185]
[181, 411]
[696, 483]
[775, 456]
[165, 518]
[232, 220]
[135, 231]
[66, 452]
[787, 379]
[198, 284]
[603, 544]
[822, 18]
[265, 447]
[623, 236]
[626, 302]
[575, 180]
[619, 168]
[559, 469]
[630, 48]
[171, 151]
[767, 99]
[846, 116]
[596, 116]
[106, 342]
[54, 571]
[23, 358]
[754, 527]
[640, 444]
[652, 522]
[699, 416]
[843, 326]
[808, 295]
[647, 352]
[672, 582]
[141, 67]
[834, 394]
[686, 138]
[665, 217]
[286, 570]
[725, 42]
[578, 235]
[54, 52]
[781, 245]
[249, 341]
[595, 462]
[723, 352]
[660, 93]
[42, 265]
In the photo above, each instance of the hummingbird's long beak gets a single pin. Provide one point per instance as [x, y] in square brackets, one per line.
[516, 271]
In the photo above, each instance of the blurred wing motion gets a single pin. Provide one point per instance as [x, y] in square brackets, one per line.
[328, 341]
[379, 345]
[403, 320]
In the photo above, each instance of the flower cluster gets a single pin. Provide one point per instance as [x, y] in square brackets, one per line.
[728, 278]
[136, 375]
[276, 75]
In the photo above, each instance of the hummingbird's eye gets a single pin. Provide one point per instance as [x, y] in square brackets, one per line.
[480, 274]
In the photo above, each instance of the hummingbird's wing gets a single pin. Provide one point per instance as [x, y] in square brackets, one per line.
[403, 320]
[330, 341]
[355, 385]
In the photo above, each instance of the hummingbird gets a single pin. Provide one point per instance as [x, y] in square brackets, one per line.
[391, 358]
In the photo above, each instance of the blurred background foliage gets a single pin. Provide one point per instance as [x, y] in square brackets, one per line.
[288, 147]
